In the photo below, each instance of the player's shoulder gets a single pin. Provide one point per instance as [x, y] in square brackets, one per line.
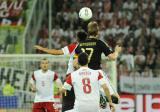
[51, 72]
[93, 71]
[75, 73]
[74, 44]
[37, 71]
[100, 41]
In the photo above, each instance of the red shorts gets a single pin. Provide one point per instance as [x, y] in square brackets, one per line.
[43, 107]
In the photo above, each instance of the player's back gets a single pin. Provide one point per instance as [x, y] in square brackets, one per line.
[94, 48]
[86, 87]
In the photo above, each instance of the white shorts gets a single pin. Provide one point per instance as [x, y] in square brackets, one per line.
[85, 107]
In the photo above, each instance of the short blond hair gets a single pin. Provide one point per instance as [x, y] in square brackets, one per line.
[93, 28]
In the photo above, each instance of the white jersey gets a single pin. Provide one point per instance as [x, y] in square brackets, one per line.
[70, 50]
[86, 83]
[44, 85]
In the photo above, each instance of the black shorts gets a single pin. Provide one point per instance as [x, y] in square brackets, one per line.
[68, 100]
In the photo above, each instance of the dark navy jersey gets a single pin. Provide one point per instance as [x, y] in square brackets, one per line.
[94, 48]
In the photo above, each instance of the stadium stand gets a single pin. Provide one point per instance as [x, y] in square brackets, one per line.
[135, 22]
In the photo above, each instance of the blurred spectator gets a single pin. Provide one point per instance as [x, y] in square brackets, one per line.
[10, 42]
[129, 4]
[134, 73]
[8, 89]
[157, 64]
[147, 72]
[123, 68]
[151, 58]
[128, 59]
[139, 60]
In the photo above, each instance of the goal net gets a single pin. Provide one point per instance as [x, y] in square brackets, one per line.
[17, 70]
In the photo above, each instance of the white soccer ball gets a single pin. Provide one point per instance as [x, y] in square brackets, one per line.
[85, 13]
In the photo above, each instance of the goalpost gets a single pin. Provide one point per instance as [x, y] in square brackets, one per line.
[18, 68]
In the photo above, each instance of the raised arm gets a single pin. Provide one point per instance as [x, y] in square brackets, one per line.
[112, 55]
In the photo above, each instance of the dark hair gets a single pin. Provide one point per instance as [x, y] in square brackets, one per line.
[81, 35]
[83, 58]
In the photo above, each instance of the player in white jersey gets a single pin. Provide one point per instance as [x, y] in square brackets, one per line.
[69, 98]
[42, 83]
[85, 82]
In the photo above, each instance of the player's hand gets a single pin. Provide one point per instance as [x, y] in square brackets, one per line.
[118, 48]
[33, 89]
[38, 47]
[112, 107]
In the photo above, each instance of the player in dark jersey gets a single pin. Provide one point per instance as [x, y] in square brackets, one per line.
[94, 48]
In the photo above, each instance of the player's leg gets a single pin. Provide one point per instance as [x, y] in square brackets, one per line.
[37, 107]
[107, 109]
[49, 107]
[114, 94]
[68, 100]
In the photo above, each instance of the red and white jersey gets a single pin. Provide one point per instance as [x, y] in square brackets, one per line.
[70, 50]
[44, 85]
[86, 83]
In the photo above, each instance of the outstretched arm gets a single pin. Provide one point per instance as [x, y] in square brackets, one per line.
[49, 51]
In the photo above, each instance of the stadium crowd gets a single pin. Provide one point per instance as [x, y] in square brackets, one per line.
[135, 22]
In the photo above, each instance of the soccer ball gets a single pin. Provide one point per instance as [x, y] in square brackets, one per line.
[85, 13]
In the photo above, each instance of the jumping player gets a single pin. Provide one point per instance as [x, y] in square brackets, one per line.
[94, 48]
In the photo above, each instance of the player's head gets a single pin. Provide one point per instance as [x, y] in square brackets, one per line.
[93, 28]
[44, 64]
[81, 36]
[83, 59]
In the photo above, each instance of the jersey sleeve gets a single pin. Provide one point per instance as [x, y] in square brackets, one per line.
[101, 79]
[68, 83]
[67, 50]
[104, 47]
[55, 76]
